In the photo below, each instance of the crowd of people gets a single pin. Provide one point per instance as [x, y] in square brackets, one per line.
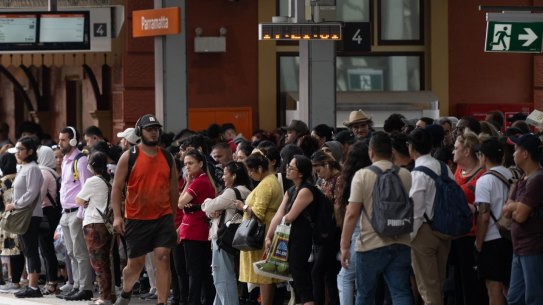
[112, 217]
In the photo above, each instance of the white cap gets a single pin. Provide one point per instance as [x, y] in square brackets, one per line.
[12, 150]
[130, 135]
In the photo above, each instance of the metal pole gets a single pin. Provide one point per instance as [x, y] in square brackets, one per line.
[52, 5]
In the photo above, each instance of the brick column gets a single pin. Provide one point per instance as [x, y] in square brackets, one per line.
[134, 80]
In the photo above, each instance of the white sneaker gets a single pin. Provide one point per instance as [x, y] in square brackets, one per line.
[10, 287]
[66, 287]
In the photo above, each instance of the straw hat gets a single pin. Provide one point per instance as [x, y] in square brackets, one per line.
[357, 116]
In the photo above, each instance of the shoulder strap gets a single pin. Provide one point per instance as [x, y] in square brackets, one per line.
[375, 169]
[238, 194]
[132, 156]
[168, 156]
[75, 172]
[474, 175]
[104, 213]
[428, 171]
[500, 177]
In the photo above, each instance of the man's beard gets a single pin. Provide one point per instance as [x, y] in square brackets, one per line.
[65, 151]
[148, 143]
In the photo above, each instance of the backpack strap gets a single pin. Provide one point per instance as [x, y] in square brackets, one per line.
[501, 177]
[75, 172]
[444, 175]
[429, 172]
[375, 169]
[378, 172]
[104, 213]
[132, 156]
[505, 181]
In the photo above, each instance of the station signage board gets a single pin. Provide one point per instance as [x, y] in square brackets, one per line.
[156, 22]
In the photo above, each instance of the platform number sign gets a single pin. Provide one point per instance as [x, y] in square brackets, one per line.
[357, 37]
[100, 30]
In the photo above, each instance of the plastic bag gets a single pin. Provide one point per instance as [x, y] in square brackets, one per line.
[276, 263]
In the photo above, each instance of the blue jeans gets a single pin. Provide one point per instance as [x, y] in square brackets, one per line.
[394, 263]
[526, 287]
[346, 277]
[224, 276]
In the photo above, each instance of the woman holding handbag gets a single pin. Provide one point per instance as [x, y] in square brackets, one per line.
[194, 229]
[10, 245]
[298, 208]
[261, 203]
[94, 196]
[236, 181]
[26, 192]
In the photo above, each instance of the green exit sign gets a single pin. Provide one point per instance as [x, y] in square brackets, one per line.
[514, 37]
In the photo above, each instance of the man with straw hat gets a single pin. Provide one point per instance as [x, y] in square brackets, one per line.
[359, 123]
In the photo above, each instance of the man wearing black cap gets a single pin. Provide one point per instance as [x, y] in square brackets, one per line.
[151, 199]
[296, 130]
[525, 208]
[491, 191]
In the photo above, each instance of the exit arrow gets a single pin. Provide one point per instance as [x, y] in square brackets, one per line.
[529, 37]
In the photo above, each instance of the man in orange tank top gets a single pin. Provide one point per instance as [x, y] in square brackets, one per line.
[151, 201]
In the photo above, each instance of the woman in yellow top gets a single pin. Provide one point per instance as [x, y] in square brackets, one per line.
[262, 202]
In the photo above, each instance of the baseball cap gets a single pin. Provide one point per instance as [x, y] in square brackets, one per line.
[345, 137]
[148, 120]
[129, 134]
[519, 116]
[529, 142]
[298, 126]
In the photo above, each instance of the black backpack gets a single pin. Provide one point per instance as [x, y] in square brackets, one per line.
[392, 209]
[452, 215]
[324, 222]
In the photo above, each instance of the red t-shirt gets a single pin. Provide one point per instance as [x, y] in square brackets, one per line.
[468, 186]
[195, 224]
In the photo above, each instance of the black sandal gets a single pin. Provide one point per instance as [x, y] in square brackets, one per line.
[50, 288]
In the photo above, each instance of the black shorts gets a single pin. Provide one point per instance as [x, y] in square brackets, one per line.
[495, 260]
[143, 236]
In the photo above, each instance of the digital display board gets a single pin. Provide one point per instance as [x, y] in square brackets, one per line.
[62, 28]
[18, 30]
[35, 31]
[299, 31]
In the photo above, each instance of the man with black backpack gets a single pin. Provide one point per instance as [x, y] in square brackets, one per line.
[429, 252]
[380, 193]
[150, 178]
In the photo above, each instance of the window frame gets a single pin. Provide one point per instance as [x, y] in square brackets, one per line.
[400, 42]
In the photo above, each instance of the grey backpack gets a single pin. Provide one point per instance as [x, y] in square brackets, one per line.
[392, 213]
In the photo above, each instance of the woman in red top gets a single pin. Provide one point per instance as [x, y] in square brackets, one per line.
[194, 229]
[468, 288]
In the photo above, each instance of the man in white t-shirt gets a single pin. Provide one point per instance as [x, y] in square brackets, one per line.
[491, 192]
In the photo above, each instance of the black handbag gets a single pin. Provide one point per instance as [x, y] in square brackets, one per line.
[250, 235]
[227, 230]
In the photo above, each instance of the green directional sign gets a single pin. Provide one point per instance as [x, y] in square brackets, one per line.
[514, 37]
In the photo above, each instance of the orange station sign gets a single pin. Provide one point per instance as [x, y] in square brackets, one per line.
[157, 22]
